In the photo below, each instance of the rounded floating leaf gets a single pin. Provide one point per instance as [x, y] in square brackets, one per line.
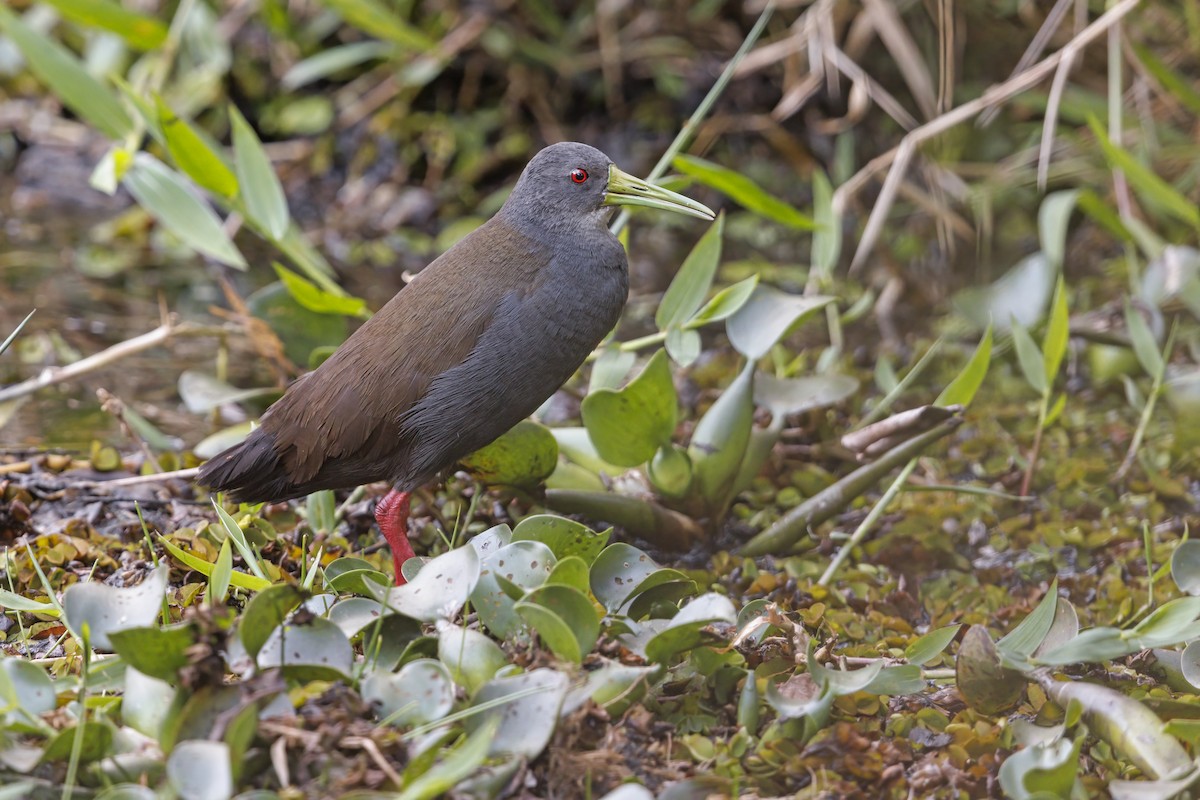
[564, 618]
[984, 683]
[25, 687]
[471, 657]
[692, 626]
[565, 537]
[97, 743]
[931, 645]
[617, 571]
[200, 770]
[614, 687]
[491, 540]
[422, 691]
[146, 702]
[316, 650]
[524, 456]
[526, 722]
[441, 588]
[627, 426]
[104, 609]
[524, 564]
[670, 471]
[354, 614]
[629, 791]
[265, 612]
[1190, 663]
[157, 652]
[571, 571]
[768, 316]
[1185, 567]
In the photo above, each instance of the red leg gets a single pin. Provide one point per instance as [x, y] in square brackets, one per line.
[392, 515]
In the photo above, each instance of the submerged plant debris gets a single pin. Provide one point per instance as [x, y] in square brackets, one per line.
[883, 487]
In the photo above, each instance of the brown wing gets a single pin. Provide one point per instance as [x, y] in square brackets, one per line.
[343, 421]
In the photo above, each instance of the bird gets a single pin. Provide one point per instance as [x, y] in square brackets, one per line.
[471, 346]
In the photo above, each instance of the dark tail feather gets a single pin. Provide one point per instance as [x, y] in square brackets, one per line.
[250, 472]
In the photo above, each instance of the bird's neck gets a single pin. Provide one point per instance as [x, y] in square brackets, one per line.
[549, 226]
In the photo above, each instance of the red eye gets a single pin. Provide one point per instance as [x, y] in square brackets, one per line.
[579, 175]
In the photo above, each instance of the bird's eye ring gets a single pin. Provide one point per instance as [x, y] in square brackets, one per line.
[579, 175]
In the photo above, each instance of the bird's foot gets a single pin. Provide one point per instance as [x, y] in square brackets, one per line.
[392, 515]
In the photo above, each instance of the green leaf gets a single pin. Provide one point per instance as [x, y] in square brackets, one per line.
[234, 532]
[167, 197]
[265, 612]
[670, 471]
[564, 618]
[524, 565]
[827, 238]
[1033, 365]
[529, 718]
[142, 32]
[10, 601]
[157, 652]
[420, 693]
[239, 579]
[627, 426]
[24, 686]
[768, 316]
[1054, 344]
[1169, 619]
[691, 627]
[687, 290]
[610, 369]
[104, 609]
[192, 154]
[724, 303]
[683, 346]
[1054, 219]
[67, 77]
[931, 645]
[201, 770]
[571, 571]
[377, 19]
[524, 457]
[261, 192]
[962, 389]
[441, 588]
[1183, 87]
[1145, 346]
[335, 59]
[720, 438]
[1022, 640]
[316, 649]
[316, 299]
[1185, 567]
[472, 658]
[743, 191]
[218, 582]
[565, 537]
[1152, 188]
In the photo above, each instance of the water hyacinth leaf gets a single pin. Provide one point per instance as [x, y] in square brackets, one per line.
[265, 612]
[69, 79]
[353, 615]
[11, 601]
[105, 609]
[26, 687]
[1020, 643]
[1153, 189]
[223, 439]
[629, 791]
[691, 283]
[767, 317]
[1063, 629]
[471, 657]
[613, 686]
[421, 692]
[1021, 294]
[1145, 346]
[130, 791]
[524, 456]
[798, 697]
[322, 301]
[261, 192]
[441, 588]
[724, 303]
[962, 389]
[667, 586]
[931, 645]
[333, 60]
[899, 680]
[783, 396]
[1185, 566]
[155, 652]
[743, 191]
[525, 564]
[201, 770]
[527, 721]
[315, 650]
[571, 571]
[610, 369]
[720, 437]
[349, 574]
[1169, 620]
[670, 471]
[576, 444]
[683, 346]
[1033, 365]
[454, 768]
[564, 619]
[192, 154]
[565, 537]
[617, 572]
[97, 741]
[1094, 644]
[167, 197]
[490, 540]
[1190, 663]
[138, 30]
[1042, 771]
[1054, 217]
[982, 679]
[841, 682]
[628, 425]
[692, 627]
[146, 702]
[377, 19]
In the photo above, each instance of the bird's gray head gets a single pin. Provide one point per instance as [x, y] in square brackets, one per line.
[572, 186]
[563, 186]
